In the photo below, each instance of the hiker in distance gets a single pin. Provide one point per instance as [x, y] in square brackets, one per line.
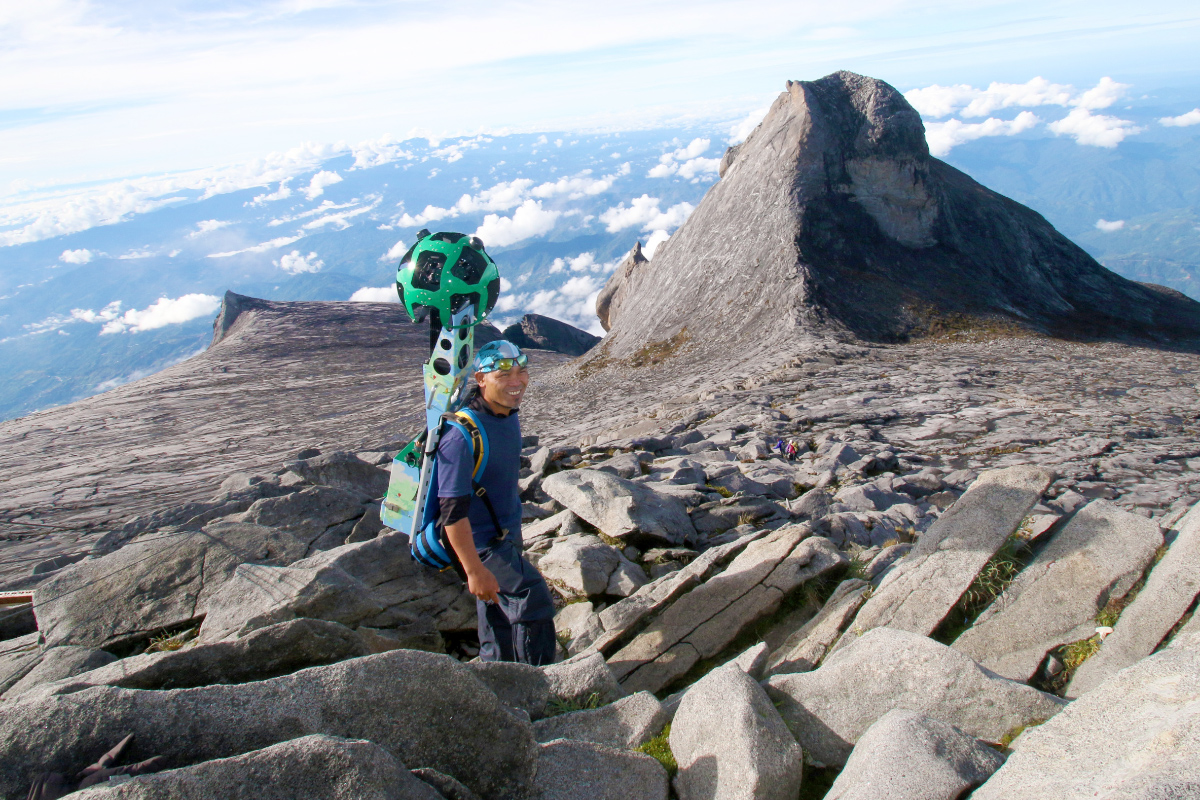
[483, 523]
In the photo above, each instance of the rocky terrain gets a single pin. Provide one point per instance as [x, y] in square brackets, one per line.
[971, 571]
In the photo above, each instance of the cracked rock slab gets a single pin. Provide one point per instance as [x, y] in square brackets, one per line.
[1169, 592]
[621, 508]
[804, 649]
[830, 708]
[573, 770]
[704, 621]
[919, 593]
[421, 708]
[1098, 556]
[163, 580]
[625, 724]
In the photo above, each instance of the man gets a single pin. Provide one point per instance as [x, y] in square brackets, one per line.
[516, 613]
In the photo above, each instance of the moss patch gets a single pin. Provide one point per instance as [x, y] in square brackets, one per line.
[660, 748]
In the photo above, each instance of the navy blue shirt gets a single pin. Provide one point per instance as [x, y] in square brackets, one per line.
[499, 476]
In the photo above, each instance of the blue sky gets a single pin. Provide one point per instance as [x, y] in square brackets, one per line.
[109, 90]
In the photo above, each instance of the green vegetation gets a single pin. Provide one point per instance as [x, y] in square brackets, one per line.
[558, 706]
[856, 569]
[660, 747]
[721, 490]
[996, 575]
[167, 641]
[1008, 738]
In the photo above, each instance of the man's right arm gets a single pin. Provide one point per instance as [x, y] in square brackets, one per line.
[480, 580]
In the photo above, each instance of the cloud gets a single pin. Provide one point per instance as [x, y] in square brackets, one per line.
[316, 187]
[282, 193]
[1110, 227]
[945, 136]
[162, 312]
[656, 239]
[529, 220]
[941, 101]
[1098, 130]
[207, 226]
[1183, 120]
[294, 263]
[579, 186]
[145, 252]
[339, 219]
[394, 252]
[76, 256]
[644, 211]
[378, 152]
[369, 294]
[740, 130]
[584, 262]
[686, 162]
[259, 248]
[1102, 95]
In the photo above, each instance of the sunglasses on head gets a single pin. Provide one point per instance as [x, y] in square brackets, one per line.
[505, 364]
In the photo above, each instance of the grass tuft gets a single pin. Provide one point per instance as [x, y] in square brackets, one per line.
[660, 748]
[1010, 737]
[721, 490]
[558, 706]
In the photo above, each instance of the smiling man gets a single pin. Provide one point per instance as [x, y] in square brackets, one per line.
[483, 521]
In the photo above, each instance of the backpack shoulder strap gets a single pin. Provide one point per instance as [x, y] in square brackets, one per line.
[470, 424]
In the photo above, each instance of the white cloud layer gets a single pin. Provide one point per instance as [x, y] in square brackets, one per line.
[652, 244]
[207, 226]
[739, 132]
[294, 263]
[574, 303]
[1183, 120]
[76, 256]
[529, 220]
[1110, 227]
[395, 252]
[644, 212]
[162, 312]
[686, 162]
[282, 241]
[945, 136]
[322, 180]
[941, 101]
[371, 294]
[1098, 130]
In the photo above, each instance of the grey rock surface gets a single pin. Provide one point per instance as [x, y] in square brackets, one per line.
[625, 724]
[316, 767]
[830, 708]
[309, 514]
[164, 581]
[545, 333]
[753, 660]
[17, 657]
[909, 756]
[580, 677]
[704, 621]
[615, 292]
[264, 653]
[573, 770]
[422, 708]
[584, 565]
[918, 595]
[804, 649]
[58, 663]
[257, 596]
[1169, 591]
[516, 685]
[1135, 736]
[448, 787]
[344, 471]
[620, 508]
[579, 625]
[731, 744]
[1099, 555]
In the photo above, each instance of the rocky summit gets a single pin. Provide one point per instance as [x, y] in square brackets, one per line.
[832, 219]
[873, 528]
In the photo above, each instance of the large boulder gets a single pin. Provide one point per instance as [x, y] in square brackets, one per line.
[584, 565]
[264, 653]
[703, 622]
[424, 709]
[831, 707]
[1135, 736]
[257, 596]
[163, 580]
[342, 471]
[909, 756]
[919, 594]
[315, 516]
[625, 724]
[59, 663]
[574, 770]
[1054, 601]
[316, 767]
[520, 686]
[731, 744]
[621, 508]
[578, 678]
[1169, 591]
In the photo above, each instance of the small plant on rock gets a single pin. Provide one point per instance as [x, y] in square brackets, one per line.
[660, 748]
[558, 706]
[721, 490]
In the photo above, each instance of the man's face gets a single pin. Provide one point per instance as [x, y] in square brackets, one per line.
[503, 388]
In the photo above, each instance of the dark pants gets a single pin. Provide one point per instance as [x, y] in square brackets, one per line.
[521, 626]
